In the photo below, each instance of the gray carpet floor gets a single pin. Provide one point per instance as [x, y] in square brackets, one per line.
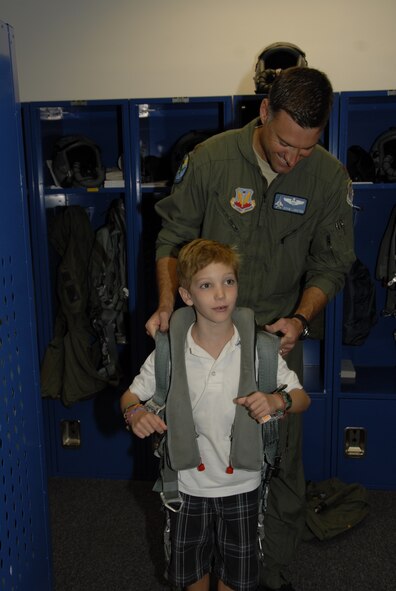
[107, 536]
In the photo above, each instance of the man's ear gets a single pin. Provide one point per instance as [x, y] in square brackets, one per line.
[264, 110]
[185, 296]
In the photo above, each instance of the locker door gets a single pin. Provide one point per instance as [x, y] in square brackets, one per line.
[24, 537]
[364, 370]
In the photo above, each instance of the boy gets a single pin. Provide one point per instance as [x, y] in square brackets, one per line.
[218, 519]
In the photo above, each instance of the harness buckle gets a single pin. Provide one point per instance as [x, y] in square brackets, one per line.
[153, 407]
[260, 546]
[173, 504]
[272, 469]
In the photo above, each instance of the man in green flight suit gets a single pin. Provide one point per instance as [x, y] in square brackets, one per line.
[286, 204]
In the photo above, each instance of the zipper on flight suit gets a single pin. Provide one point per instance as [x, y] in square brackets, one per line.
[340, 226]
[233, 226]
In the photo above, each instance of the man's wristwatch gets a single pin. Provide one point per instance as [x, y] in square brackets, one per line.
[305, 325]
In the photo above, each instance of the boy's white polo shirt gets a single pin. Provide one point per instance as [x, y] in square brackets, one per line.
[213, 385]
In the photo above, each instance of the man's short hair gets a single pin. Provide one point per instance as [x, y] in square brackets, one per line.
[200, 253]
[305, 94]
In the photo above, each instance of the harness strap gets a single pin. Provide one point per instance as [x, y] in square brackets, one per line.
[386, 265]
[167, 483]
[162, 369]
[267, 351]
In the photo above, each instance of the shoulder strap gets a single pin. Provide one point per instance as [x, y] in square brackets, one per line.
[267, 350]
[386, 264]
[179, 323]
[162, 372]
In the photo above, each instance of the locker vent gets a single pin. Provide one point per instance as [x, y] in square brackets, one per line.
[17, 544]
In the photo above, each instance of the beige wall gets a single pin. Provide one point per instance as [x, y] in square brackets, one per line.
[98, 49]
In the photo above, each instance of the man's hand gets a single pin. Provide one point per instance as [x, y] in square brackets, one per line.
[313, 300]
[167, 284]
[158, 321]
[291, 329]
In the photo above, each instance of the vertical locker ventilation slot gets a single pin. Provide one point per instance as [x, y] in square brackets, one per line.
[17, 549]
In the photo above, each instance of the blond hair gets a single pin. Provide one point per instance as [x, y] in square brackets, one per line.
[200, 253]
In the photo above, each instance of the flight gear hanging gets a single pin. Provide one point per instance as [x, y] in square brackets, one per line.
[383, 153]
[360, 310]
[275, 57]
[386, 265]
[108, 296]
[70, 366]
[76, 162]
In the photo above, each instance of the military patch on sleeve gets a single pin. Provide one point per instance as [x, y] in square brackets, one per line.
[181, 171]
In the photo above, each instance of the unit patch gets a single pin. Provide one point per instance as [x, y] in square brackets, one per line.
[290, 203]
[181, 171]
[243, 200]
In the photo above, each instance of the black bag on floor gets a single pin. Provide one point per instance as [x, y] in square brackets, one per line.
[334, 507]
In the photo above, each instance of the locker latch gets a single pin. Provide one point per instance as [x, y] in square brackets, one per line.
[71, 433]
[355, 442]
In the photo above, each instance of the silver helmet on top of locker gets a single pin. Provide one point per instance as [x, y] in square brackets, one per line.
[275, 57]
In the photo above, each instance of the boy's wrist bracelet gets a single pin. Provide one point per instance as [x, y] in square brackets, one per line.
[130, 410]
[130, 407]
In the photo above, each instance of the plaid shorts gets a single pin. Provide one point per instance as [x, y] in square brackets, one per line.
[216, 535]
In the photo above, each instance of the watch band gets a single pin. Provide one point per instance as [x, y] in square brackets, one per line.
[287, 399]
[305, 325]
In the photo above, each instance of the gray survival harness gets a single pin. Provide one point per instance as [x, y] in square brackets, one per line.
[253, 446]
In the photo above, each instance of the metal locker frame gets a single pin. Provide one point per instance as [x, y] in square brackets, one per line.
[24, 520]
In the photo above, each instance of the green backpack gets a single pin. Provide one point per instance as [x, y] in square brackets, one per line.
[333, 507]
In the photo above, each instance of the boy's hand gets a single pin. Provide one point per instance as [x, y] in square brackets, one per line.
[144, 424]
[259, 404]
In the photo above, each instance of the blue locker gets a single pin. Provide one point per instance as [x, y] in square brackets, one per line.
[89, 439]
[162, 129]
[365, 397]
[24, 530]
